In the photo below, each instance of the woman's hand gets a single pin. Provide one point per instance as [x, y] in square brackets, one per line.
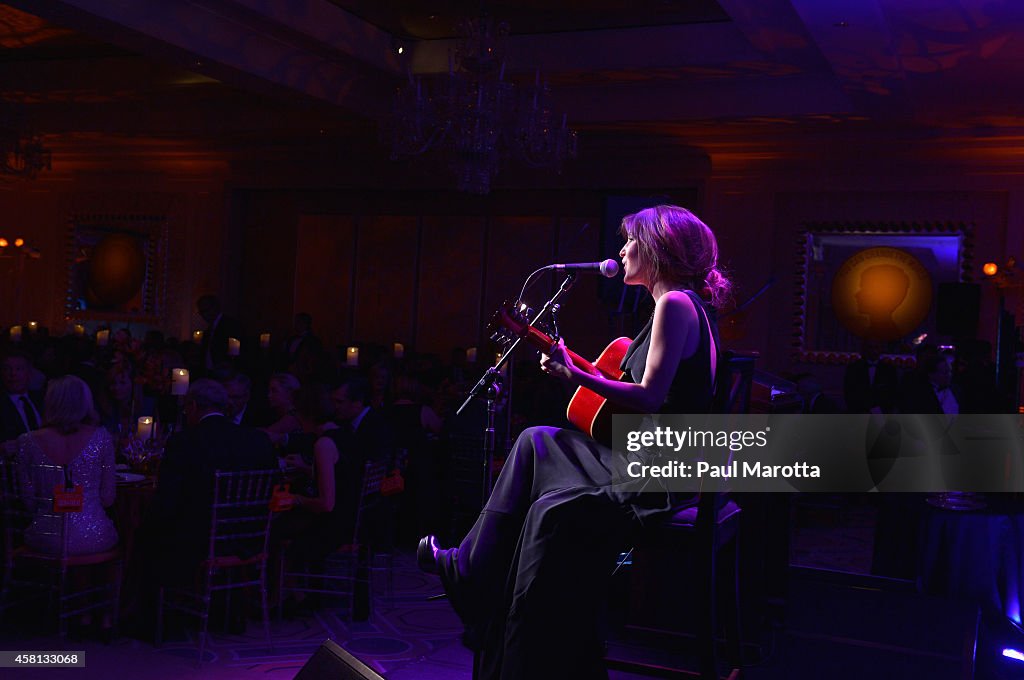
[558, 362]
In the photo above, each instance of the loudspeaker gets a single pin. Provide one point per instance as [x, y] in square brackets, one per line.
[331, 662]
[956, 309]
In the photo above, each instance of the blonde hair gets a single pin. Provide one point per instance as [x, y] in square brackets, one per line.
[674, 245]
[68, 405]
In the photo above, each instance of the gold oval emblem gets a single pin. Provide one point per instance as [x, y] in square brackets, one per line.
[882, 293]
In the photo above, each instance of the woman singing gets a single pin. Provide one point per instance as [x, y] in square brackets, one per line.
[528, 580]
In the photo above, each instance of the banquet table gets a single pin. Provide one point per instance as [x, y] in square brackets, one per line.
[976, 554]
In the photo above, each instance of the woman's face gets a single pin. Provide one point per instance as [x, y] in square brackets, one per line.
[279, 397]
[120, 386]
[630, 256]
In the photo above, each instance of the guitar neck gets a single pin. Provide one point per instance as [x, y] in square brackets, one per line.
[544, 343]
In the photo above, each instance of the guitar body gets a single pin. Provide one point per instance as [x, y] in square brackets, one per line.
[591, 412]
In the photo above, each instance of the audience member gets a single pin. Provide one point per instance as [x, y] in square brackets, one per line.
[20, 407]
[933, 394]
[870, 385]
[219, 328]
[364, 434]
[303, 350]
[121, 400]
[281, 395]
[69, 438]
[239, 390]
[974, 380]
[416, 428]
[814, 398]
[179, 521]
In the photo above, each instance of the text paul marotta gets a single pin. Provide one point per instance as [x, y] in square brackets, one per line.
[668, 438]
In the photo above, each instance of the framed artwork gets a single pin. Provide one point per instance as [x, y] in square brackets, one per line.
[116, 267]
[873, 282]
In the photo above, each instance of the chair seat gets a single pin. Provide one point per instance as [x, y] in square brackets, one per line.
[687, 517]
[226, 561]
[26, 553]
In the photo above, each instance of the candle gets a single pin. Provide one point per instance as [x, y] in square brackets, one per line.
[471, 355]
[79, 330]
[399, 350]
[179, 381]
[102, 338]
[234, 347]
[33, 326]
[15, 333]
[265, 340]
[352, 356]
[145, 428]
[197, 336]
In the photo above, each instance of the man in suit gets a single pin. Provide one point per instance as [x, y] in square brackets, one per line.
[815, 399]
[303, 351]
[20, 408]
[931, 391]
[219, 329]
[367, 437]
[870, 385]
[180, 513]
[239, 389]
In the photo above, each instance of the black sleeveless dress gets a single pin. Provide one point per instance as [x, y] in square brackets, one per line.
[530, 578]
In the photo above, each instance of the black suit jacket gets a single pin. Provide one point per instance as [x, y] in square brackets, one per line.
[372, 440]
[917, 395]
[861, 394]
[11, 424]
[184, 493]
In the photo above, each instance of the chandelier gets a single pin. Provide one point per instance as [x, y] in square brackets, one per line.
[475, 117]
[22, 154]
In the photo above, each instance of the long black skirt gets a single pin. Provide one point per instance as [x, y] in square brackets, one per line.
[530, 578]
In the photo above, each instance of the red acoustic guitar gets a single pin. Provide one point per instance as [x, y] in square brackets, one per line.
[587, 410]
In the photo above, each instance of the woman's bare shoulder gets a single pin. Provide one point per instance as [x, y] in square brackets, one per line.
[677, 304]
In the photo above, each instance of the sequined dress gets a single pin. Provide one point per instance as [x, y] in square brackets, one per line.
[90, 530]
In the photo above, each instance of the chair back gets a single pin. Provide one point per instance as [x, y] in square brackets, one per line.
[734, 382]
[15, 516]
[240, 515]
[28, 499]
[374, 472]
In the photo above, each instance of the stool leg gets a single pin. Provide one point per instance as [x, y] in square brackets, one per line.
[707, 623]
[158, 637]
[733, 630]
[263, 602]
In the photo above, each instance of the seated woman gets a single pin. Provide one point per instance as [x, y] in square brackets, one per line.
[528, 579]
[281, 395]
[323, 520]
[121, 400]
[69, 438]
[314, 411]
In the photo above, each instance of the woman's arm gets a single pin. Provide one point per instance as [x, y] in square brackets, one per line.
[325, 457]
[674, 331]
[430, 421]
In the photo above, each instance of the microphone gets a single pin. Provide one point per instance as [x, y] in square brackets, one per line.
[608, 268]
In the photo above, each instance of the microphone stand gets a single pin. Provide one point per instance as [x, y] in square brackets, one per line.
[490, 384]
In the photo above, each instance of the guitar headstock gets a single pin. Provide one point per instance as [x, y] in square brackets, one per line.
[512, 321]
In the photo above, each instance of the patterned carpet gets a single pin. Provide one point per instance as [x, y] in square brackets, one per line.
[407, 636]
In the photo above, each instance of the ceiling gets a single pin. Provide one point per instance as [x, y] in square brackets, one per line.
[733, 76]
